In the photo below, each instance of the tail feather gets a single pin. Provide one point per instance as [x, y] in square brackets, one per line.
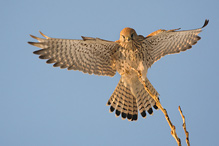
[124, 109]
[127, 107]
[135, 110]
[141, 101]
[144, 100]
[153, 91]
[122, 101]
[115, 100]
[128, 100]
[119, 106]
[148, 103]
[130, 110]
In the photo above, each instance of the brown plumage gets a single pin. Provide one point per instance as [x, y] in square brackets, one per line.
[130, 55]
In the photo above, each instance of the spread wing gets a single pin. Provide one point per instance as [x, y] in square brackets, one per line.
[164, 42]
[90, 55]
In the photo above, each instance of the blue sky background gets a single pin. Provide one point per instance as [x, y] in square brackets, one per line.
[41, 105]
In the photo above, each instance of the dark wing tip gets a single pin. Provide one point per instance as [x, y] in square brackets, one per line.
[87, 38]
[31, 43]
[44, 56]
[41, 52]
[206, 23]
[57, 64]
[83, 38]
[198, 37]
[38, 52]
[51, 60]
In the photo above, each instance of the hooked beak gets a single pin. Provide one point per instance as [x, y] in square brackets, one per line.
[127, 39]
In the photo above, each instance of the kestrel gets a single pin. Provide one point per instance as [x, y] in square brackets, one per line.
[130, 55]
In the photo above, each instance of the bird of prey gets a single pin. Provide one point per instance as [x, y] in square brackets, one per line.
[131, 55]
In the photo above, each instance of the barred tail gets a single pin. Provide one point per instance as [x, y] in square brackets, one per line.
[123, 102]
[127, 100]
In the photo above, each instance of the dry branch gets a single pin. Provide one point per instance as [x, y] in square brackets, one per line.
[184, 126]
[172, 127]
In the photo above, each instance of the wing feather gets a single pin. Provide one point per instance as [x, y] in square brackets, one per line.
[90, 55]
[161, 43]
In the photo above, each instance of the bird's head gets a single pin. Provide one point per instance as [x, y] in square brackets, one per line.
[127, 35]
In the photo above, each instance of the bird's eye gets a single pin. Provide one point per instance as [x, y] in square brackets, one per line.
[132, 35]
[123, 36]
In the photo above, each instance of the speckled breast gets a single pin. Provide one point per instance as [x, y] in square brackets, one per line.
[128, 59]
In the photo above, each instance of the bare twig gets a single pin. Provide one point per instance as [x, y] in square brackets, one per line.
[172, 127]
[184, 126]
